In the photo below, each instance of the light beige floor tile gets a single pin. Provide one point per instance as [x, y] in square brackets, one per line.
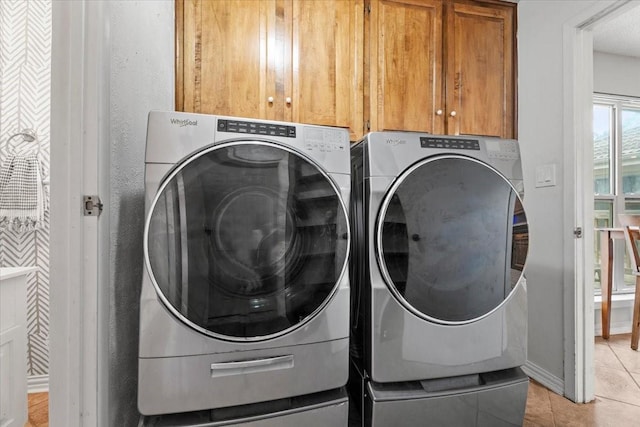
[617, 401]
[538, 412]
[620, 340]
[629, 358]
[568, 414]
[617, 385]
[636, 378]
[529, 423]
[604, 356]
[611, 413]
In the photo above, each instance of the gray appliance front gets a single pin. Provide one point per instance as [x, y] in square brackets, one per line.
[492, 400]
[447, 293]
[307, 411]
[245, 297]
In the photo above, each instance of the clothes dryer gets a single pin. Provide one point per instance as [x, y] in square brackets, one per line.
[439, 298]
[245, 292]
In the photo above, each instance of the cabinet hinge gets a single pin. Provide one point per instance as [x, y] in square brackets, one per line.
[367, 8]
[92, 206]
[577, 232]
[367, 126]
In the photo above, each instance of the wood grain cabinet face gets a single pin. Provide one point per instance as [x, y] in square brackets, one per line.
[221, 56]
[480, 74]
[405, 80]
[327, 63]
[293, 60]
[441, 66]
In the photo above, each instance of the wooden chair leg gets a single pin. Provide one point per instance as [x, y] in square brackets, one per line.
[635, 327]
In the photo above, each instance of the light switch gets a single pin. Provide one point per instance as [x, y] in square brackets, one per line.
[546, 175]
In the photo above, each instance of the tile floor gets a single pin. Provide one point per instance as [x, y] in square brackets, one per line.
[617, 389]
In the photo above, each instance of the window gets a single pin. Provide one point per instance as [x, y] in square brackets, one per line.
[616, 176]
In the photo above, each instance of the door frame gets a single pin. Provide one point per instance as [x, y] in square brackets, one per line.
[78, 380]
[579, 368]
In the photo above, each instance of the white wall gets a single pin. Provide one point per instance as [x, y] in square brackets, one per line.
[541, 109]
[142, 79]
[615, 74]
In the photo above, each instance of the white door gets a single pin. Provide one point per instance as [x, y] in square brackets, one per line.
[79, 139]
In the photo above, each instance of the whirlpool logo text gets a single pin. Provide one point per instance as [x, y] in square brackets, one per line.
[184, 122]
[395, 142]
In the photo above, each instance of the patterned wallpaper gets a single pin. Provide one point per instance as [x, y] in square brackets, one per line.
[25, 80]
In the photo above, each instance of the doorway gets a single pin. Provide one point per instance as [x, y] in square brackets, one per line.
[615, 187]
[616, 124]
[579, 36]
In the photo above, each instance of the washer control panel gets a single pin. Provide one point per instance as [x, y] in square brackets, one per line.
[449, 143]
[256, 128]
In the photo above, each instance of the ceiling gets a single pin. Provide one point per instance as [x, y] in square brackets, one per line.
[620, 35]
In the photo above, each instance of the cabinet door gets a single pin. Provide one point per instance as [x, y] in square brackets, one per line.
[405, 91]
[227, 57]
[480, 64]
[326, 68]
[13, 349]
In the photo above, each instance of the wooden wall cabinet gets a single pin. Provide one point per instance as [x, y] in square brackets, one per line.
[441, 66]
[272, 59]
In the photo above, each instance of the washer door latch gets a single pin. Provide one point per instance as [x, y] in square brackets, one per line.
[92, 206]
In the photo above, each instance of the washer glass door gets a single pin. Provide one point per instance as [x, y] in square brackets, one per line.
[452, 239]
[246, 240]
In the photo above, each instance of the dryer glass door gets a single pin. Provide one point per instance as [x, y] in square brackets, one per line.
[246, 240]
[452, 239]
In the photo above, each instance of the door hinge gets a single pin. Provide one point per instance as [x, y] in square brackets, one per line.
[92, 206]
[577, 232]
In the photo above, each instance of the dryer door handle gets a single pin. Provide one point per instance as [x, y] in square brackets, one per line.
[240, 367]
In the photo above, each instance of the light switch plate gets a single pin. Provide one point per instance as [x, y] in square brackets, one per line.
[546, 175]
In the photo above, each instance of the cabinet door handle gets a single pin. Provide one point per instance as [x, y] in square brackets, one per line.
[270, 99]
[288, 100]
[438, 112]
[453, 114]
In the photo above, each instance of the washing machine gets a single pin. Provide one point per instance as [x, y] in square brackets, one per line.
[440, 240]
[244, 307]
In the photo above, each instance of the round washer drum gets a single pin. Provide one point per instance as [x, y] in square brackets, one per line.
[452, 239]
[246, 240]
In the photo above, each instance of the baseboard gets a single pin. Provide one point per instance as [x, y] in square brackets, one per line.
[38, 383]
[544, 377]
[616, 328]
[621, 315]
